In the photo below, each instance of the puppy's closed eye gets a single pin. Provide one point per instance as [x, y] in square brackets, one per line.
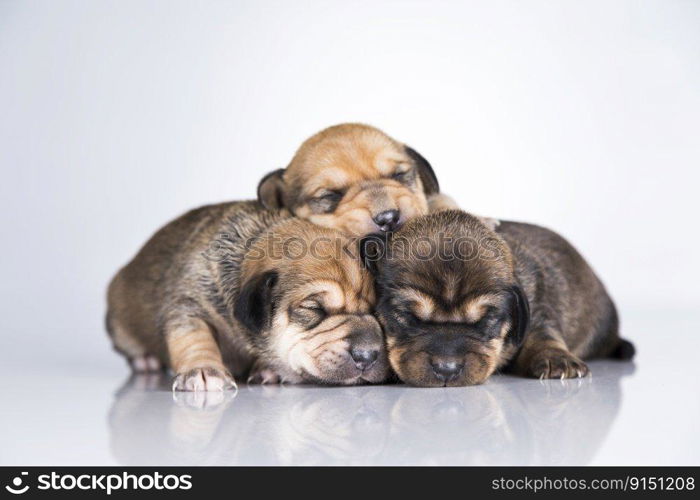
[308, 314]
[490, 323]
[404, 175]
[408, 317]
[325, 202]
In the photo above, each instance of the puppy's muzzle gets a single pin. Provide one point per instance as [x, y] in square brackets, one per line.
[387, 220]
[365, 347]
[367, 354]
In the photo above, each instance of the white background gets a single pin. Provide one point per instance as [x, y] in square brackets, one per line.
[116, 116]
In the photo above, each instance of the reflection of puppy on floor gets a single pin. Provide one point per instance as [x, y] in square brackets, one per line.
[558, 422]
[507, 421]
[459, 301]
[149, 425]
[292, 425]
[223, 287]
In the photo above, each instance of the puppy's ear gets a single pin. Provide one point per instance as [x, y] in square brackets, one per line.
[519, 316]
[425, 171]
[372, 250]
[271, 190]
[254, 305]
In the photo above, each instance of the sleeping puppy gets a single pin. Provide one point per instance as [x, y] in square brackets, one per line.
[353, 178]
[459, 301]
[231, 289]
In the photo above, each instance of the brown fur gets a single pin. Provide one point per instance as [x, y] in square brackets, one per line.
[521, 297]
[222, 288]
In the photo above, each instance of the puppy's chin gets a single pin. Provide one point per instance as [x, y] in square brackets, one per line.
[375, 376]
[340, 369]
[346, 373]
[415, 368]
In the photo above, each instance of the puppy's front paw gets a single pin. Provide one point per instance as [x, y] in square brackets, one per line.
[555, 363]
[204, 379]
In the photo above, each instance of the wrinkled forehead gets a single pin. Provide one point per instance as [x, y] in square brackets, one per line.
[324, 263]
[335, 296]
[306, 255]
[445, 290]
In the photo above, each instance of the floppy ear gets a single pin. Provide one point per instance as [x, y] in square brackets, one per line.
[271, 190]
[372, 250]
[254, 304]
[425, 172]
[519, 316]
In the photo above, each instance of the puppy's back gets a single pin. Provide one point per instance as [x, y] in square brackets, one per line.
[138, 291]
[563, 288]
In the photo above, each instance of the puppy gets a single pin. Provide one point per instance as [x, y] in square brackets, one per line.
[230, 287]
[353, 178]
[459, 301]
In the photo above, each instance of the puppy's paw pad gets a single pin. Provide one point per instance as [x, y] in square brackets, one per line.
[264, 376]
[204, 379]
[559, 364]
[146, 364]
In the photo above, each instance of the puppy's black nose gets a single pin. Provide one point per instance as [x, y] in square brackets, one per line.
[387, 220]
[364, 358]
[447, 370]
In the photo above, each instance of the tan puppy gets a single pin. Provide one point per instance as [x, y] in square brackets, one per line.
[231, 290]
[353, 178]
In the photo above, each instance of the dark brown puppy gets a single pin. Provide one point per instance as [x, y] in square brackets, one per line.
[354, 178]
[228, 286]
[459, 301]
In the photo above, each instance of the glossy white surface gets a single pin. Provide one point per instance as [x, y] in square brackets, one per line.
[647, 412]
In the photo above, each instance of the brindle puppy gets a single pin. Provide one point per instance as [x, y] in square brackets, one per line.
[353, 178]
[459, 301]
[226, 286]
